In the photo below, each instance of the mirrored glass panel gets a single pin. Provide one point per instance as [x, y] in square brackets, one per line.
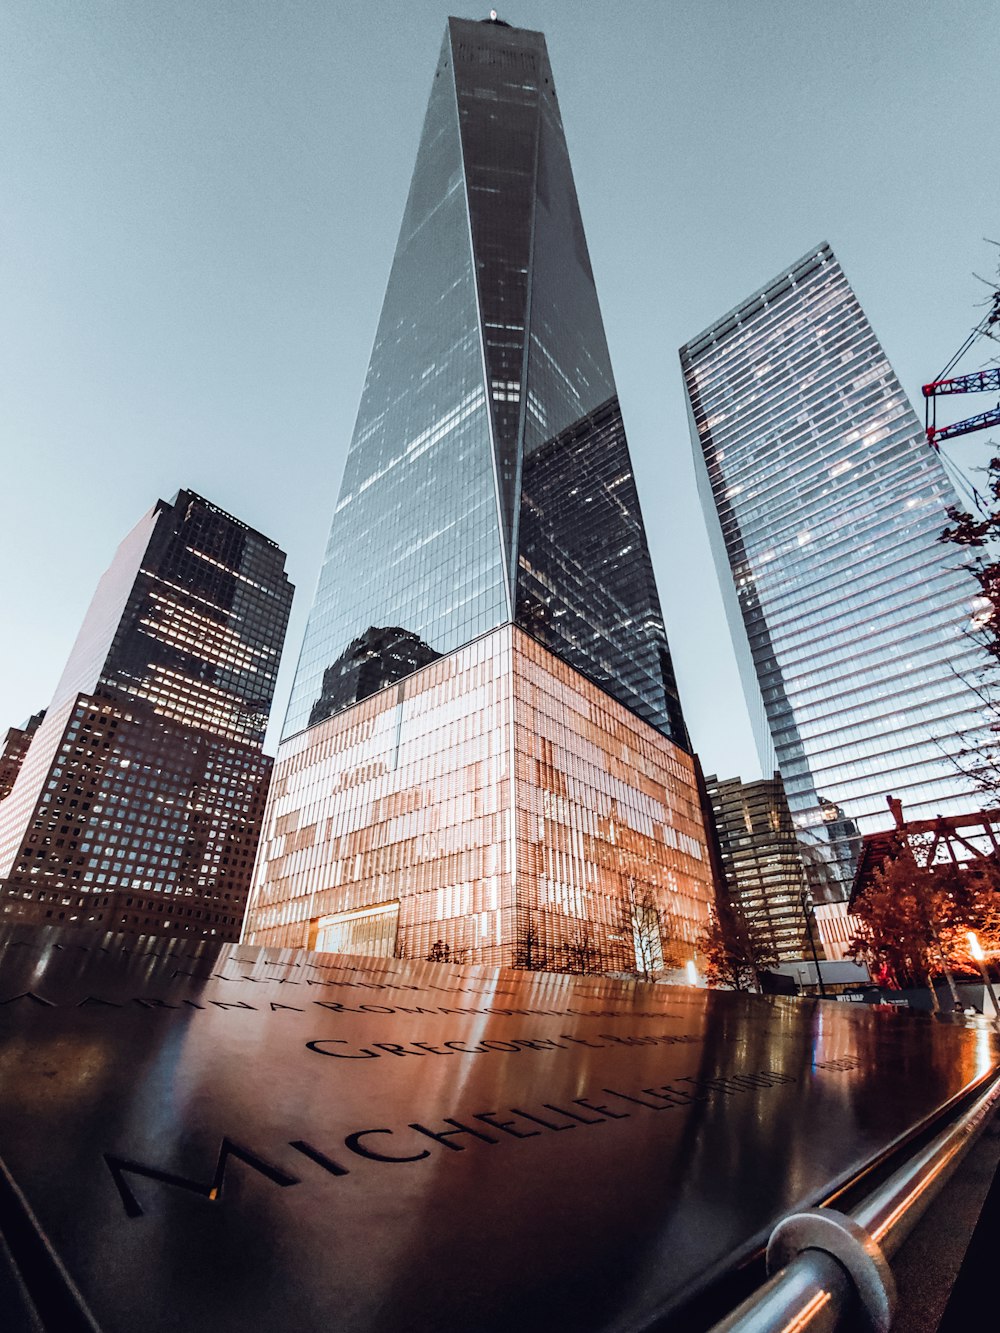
[830, 506]
[414, 564]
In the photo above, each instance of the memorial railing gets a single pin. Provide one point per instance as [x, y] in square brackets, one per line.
[829, 1268]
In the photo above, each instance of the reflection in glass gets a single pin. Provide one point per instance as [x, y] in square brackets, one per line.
[491, 795]
[377, 658]
[484, 725]
[488, 478]
[829, 506]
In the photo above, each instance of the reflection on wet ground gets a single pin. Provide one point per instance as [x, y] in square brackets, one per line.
[257, 1138]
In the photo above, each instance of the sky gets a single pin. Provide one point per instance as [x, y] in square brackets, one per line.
[199, 203]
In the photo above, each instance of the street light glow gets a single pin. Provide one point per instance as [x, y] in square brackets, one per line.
[975, 948]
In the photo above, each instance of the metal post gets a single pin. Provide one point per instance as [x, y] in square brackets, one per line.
[989, 986]
[976, 949]
[846, 1274]
[807, 908]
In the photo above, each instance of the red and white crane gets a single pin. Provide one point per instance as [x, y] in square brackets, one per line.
[980, 381]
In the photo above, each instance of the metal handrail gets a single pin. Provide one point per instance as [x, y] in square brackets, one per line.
[814, 1290]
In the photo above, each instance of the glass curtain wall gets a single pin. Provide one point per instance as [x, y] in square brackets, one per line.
[488, 478]
[830, 506]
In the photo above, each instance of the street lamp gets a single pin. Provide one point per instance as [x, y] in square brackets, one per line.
[807, 907]
[976, 949]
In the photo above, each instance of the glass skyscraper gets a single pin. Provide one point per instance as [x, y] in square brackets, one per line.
[139, 801]
[487, 568]
[761, 861]
[850, 619]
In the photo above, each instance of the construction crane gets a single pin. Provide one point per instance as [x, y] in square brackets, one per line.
[980, 381]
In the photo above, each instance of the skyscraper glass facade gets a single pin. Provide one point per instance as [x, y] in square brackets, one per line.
[849, 617]
[415, 544]
[488, 469]
[764, 872]
[488, 505]
[494, 802]
[201, 634]
[139, 802]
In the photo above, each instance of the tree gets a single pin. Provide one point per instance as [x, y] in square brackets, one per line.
[444, 953]
[580, 952]
[645, 928]
[530, 953]
[650, 930]
[979, 756]
[983, 915]
[982, 534]
[913, 920]
[734, 955]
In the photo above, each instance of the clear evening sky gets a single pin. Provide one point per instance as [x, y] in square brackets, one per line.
[199, 202]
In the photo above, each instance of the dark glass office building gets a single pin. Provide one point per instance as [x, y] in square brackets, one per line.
[487, 555]
[15, 747]
[761, 861]
[139, 801]
[825, 505]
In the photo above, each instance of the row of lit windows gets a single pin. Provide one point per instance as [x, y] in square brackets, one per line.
[459, 845]
[816, 575]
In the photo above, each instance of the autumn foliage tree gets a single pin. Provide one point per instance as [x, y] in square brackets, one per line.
[903, 915]
[916, 919]
[734, 954]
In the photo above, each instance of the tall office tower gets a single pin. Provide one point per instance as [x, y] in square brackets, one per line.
[140, 800]
[825, 506]
[761, 863]
[15, 747]
[484, 753]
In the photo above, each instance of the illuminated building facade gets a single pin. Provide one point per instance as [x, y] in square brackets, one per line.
[761, 861]
[484, 749]
[849, 617]
[15, 747]
[837, 929]
[139, 802]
